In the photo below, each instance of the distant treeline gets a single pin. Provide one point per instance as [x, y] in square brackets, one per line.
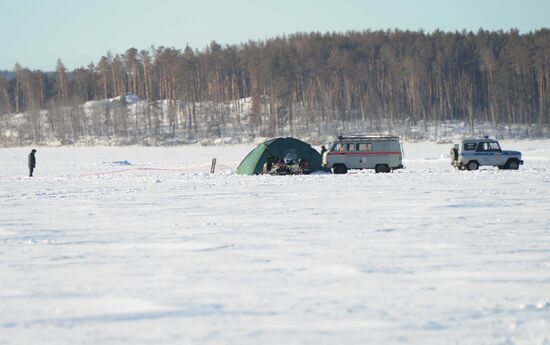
[392, 76]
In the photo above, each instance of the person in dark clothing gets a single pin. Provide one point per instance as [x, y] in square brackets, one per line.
[32, 162]
[323, 150]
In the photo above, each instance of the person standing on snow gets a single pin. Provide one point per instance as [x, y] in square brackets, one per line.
[32, 162]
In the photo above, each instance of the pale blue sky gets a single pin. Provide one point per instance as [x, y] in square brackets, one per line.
[36, 33]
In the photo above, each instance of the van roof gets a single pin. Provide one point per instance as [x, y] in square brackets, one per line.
[368, 137]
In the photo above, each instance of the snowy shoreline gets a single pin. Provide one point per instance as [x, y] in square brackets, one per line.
[142, 245]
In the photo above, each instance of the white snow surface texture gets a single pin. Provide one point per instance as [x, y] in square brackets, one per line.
[141, 245]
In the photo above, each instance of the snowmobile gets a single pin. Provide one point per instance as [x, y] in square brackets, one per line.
[290, 165]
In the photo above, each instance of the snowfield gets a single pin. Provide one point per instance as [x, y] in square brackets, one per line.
[141, 245]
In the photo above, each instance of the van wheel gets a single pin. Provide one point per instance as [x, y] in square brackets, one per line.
[473, 165]
[382, 168]
[339, 169]
[512, 164]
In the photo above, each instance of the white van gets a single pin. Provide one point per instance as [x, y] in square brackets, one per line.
[378, 152]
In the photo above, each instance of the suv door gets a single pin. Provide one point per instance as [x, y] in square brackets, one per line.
[495, 154]
[482, 153]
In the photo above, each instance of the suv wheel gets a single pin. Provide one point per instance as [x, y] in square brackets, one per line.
[382, 168]
[513, 164]
[339, 169]
[473, 165]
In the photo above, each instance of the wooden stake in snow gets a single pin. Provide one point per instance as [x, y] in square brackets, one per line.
[213, 167]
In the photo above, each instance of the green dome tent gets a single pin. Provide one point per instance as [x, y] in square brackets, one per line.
[278, 147]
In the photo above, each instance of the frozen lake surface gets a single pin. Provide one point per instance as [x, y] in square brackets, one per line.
[140, 245]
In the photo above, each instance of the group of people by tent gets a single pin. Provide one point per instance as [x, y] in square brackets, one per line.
[281, 156]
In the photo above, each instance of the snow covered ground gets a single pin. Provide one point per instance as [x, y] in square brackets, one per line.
[140, 245]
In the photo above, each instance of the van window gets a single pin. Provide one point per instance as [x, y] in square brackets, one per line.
[470, 146]
[364, 147]
[351, 147]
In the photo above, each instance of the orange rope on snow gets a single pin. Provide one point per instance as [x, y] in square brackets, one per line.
[204, 168]
[199, 168]
[146, 169]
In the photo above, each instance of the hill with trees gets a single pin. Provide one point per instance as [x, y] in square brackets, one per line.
[315, 83]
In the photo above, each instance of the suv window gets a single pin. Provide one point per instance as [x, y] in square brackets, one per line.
[482, 147]
[364, 147]
[494, 147]
[351, 147]
[470, 146]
